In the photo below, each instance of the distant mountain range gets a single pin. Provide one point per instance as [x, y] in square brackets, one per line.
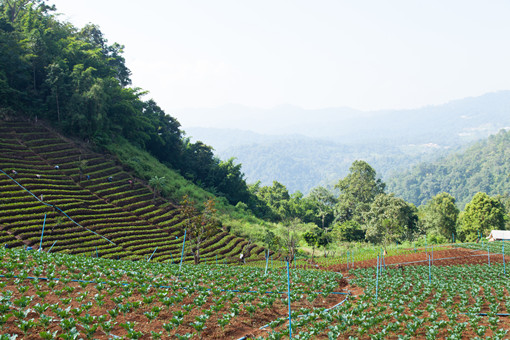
[304, 148]
[483, 167]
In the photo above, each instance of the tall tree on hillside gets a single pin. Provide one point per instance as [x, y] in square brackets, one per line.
[349, 231]
[505, 202]
[311, 238]
[481, 215]
[358, 189]
[157, 184]
[324, 203]
[290, 238]
[440, 215]
[199, 226]
[276, 198]
[390, 219]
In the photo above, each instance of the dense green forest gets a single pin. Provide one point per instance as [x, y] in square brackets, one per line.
[79, 83]
[483, 167]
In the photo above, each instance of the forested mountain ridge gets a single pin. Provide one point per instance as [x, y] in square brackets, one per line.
[483, 167]
[302, 163]
[316, 147]
[77, 81]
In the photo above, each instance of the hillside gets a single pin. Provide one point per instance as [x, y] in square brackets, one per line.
[96, 209]
[302, 163]
[483, 167]
[304, 148]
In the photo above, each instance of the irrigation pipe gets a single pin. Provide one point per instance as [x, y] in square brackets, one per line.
[152, 254]
[377, 280]
[503, 251]
[486, 314]
[55, 207]
[304, 315]
[445, 258]
[182, 253]
[167, 287]
[42, 233]
[288, 297]
[52, 246]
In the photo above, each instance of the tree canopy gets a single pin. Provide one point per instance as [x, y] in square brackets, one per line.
[483, 167]
[440, 215]
[357, 190]
[481, 215]
[79, 82]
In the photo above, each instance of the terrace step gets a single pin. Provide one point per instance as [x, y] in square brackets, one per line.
[126, 214]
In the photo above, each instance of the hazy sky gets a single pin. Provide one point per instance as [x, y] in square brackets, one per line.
[313, 54]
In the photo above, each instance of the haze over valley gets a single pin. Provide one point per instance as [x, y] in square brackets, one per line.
[305, 148]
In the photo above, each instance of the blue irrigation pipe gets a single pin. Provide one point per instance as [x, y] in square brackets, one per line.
[288, 296]
[485, 314]
[267, 261]
[42, 233]
[155, 286]
[152, 254]
[182, 253]
[303, 315]
[97, 255]
[503, 251]
[430, 279]
[377, 279]
[55, 207]
[52, 246]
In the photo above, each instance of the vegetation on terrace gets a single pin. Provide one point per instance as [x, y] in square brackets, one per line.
[106, 203]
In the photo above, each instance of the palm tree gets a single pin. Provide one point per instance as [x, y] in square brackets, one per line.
[157, 184]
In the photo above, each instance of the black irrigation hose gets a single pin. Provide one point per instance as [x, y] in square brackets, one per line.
[55, 207]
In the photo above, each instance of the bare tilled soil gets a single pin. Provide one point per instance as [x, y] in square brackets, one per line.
[448, 257]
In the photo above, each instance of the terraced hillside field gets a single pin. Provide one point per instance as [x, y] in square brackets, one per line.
[100, 202]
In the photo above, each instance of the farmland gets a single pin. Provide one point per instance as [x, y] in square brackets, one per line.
[68, 296]
[91, 207]
[110, 267]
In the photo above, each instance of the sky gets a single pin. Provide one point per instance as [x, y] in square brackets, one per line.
[363, 54]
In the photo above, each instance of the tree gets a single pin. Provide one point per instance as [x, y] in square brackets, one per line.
[324, 203]
[358, 189]
[481, 215]
[505, 202]
[311, 239]
[349, 231]
[440, 215]
[390, 219]
[199, 226]
[270, 240]
[157, 184]
[324, 241]
[290, 238]
[276, 198]
[82, 167]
